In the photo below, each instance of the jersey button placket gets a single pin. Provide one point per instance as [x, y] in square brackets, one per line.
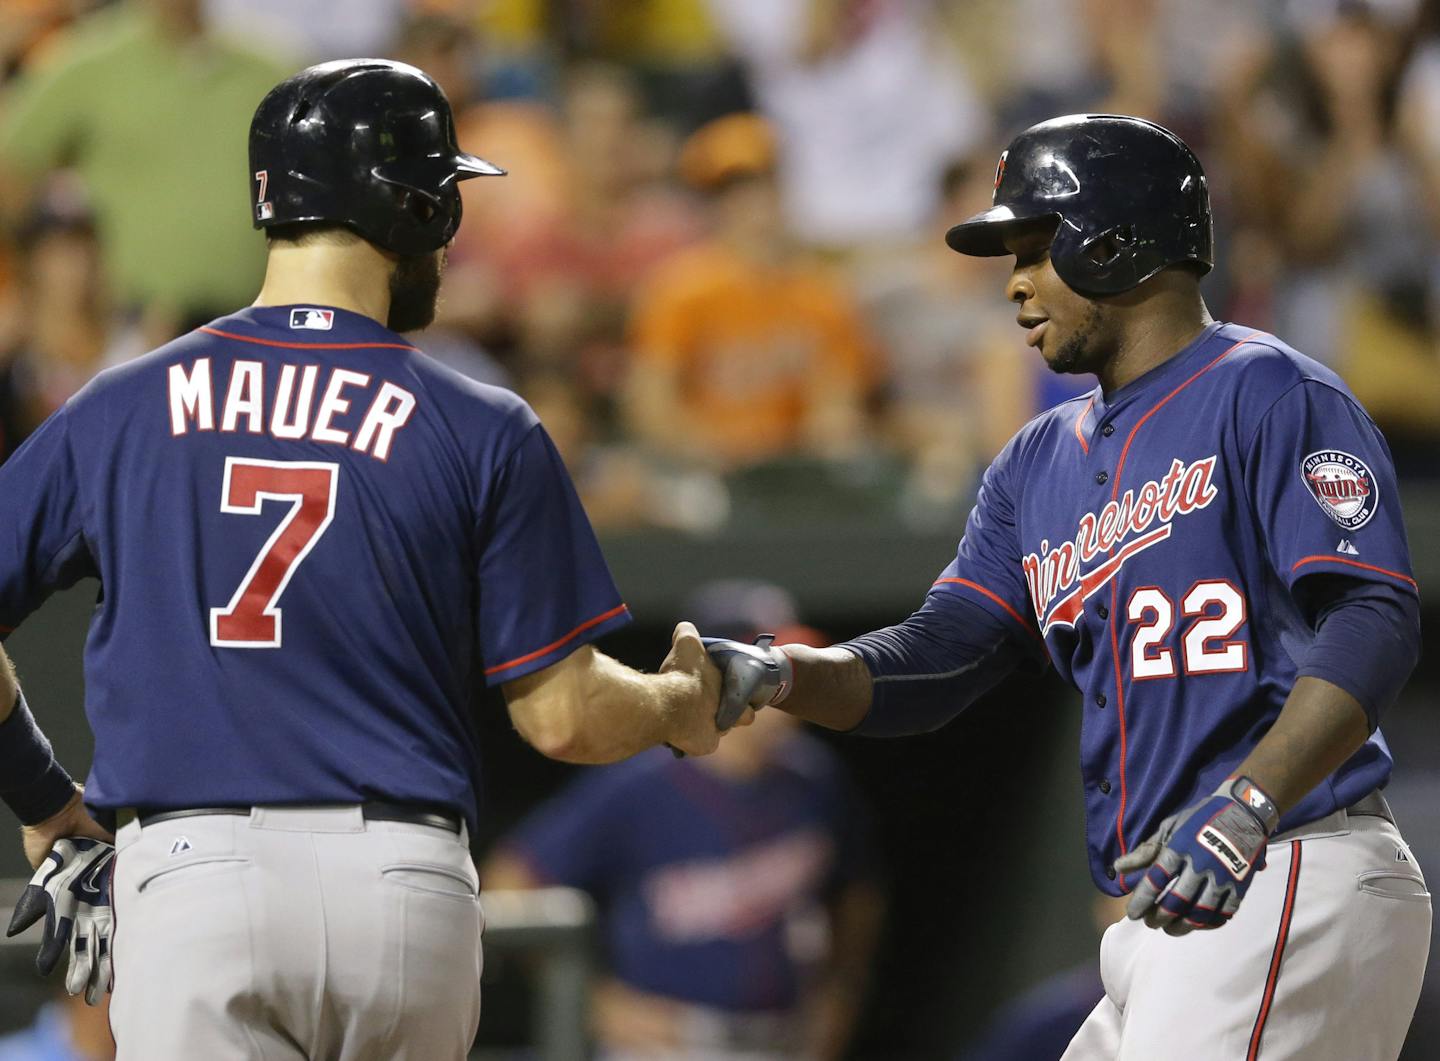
[1102, 477]
[1108, 430]
[1105, 786]
[1100, 700]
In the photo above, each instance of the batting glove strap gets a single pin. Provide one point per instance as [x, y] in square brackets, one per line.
[1254, 799]
[71, 891]
[755, 676]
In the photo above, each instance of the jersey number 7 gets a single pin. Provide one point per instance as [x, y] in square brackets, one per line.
[252, 619]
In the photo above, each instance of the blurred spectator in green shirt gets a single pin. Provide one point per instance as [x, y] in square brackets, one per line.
[152, 112]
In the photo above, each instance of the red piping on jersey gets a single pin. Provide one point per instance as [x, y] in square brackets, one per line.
[1115, 493]
[1278, 955]
[552, 646]
[304, 346]
[998, 600]
[1080, 421]
[1114, 637]
[1354, 563]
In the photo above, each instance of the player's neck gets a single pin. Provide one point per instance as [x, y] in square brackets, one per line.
[353, 276]
[1155, 336]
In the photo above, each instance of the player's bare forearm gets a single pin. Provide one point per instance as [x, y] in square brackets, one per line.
[590, 708]
[1319, 728]
[833, 687]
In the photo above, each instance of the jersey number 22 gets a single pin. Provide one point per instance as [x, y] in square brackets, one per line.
[1218, 609]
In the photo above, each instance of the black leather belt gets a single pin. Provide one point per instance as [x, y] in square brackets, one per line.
[371, 811]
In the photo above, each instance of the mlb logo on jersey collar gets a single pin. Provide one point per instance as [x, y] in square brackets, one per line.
[315, 320]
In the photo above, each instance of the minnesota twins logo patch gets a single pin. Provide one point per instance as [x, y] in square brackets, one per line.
[1342, 485]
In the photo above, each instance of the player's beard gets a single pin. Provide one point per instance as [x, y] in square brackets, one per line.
[414, 291]
[1085, 349]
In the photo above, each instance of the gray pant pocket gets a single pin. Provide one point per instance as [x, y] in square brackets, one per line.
[189, 869]
[430, 878]
[1389, 884]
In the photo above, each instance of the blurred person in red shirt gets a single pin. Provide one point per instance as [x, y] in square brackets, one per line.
[744, 350]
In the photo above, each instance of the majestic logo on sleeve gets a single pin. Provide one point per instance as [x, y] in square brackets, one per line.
[1142, 516]
[1342, 485]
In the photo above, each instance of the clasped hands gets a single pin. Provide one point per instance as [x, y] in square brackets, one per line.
[735, 679]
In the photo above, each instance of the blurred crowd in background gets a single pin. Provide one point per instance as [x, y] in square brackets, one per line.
[717, 265]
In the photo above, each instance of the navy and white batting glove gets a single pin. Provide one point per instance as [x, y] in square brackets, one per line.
[71, 890]
[1200, 862]
[756, 676]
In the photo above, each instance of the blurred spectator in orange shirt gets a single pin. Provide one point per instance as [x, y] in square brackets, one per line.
[742, 351]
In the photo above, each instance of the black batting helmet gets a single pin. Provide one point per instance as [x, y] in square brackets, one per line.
[366, 143]
[1128, 196]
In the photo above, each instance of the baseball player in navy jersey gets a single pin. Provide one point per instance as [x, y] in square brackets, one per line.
[1209, 546]
[312, 542]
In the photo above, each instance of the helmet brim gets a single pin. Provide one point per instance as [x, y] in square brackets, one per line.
[983, 235]
[467, 166]
[435, 172]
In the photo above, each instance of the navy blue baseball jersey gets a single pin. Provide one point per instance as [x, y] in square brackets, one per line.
[1149, 544]
[700, 877]
[312, 542]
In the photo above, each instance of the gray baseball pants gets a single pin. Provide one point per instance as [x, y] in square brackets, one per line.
[1322, 962]
[294, 933]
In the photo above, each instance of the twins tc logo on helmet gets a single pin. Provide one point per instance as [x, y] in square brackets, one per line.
[1342, 485]
[1000, 170]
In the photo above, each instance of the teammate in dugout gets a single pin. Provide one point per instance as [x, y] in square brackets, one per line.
[312, 542]
[1209, 547]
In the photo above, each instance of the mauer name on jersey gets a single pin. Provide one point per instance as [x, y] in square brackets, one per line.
[1185, 488]
[297, 412]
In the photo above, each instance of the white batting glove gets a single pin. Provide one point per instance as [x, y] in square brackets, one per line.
[71, 890]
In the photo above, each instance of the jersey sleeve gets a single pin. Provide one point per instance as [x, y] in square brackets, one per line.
[1322, 485]
[544, 587]
[42, 540]
[987, 568]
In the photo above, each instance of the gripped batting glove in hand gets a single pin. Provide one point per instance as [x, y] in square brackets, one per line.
[755, 675]
[71, 890]
[1202, 860]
